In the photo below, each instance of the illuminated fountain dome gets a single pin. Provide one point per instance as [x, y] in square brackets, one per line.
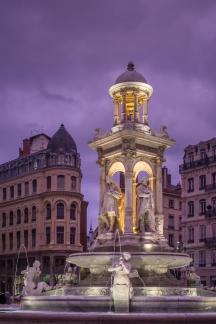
[131, 93]
[130, 219]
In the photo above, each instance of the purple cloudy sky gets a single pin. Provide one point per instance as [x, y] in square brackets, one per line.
[59, 57]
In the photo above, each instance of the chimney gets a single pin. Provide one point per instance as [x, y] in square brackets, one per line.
[26, 147]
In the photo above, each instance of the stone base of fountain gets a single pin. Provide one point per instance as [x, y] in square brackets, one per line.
[145, 300]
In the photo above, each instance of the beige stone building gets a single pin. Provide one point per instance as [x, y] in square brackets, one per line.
[172, 210]
[198, 173]
[41, 206]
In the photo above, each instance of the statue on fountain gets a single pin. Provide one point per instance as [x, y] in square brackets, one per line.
[108, 219]
[121, 288]
[145, 207]
[32, 286]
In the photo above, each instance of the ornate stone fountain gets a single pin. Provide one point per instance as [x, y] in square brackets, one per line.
[130, 261]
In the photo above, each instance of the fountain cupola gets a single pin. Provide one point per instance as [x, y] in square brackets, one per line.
[131, 94]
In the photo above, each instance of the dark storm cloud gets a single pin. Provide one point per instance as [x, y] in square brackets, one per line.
[59, 57]
[54, 96]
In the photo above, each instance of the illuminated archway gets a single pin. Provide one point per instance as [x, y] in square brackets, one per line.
[116, 167]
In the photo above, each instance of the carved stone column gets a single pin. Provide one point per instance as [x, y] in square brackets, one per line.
[123, 106]
[159, 196]
[116, 111]
[136, 111]
[145, 112]
[128, 202]
[102, 182]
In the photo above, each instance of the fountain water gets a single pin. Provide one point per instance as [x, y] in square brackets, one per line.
[22, 246]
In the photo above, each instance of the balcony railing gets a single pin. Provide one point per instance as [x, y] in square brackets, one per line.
[210, 213]
[202, 265]
[197, 163]
[210, 242]
[210, 187]
[190, 241]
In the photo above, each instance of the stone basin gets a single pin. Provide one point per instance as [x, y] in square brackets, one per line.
[158, 262]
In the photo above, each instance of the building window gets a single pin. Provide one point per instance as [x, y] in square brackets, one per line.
[202, 233]
[214, 151]
[46, 261]
[48, 235]
[190, 184]
[11, 241]
[35, 165]
[59, 261]
[33, 237]
[60, 211]
[26, 188]
[180, 205]
[18, 216]
[214, 203]
[202, 258]
[170, 222]
[26, 238]
[190, 235]
[26, 215]
[214, 230]
[73, 211]
[72, 235]
[214, 179]
[11, 218]
[191, 157]
[202, 182]
[60, 182]
[12, 192]
[4, 190]
[190, 209]
[34, 211]
[48, 182]
[202, 206]
[60, 234]
[180, 223]
[3, 242]
[213, 258]
[171, 203]
[203, 154]
[34, 186]
[3, 219]
[48, 211]
[73, 183]
[171, 240]
[19, 190]
[18, 237]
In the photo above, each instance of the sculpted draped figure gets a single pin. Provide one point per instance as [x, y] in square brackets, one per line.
[145, 207]
[108, 218]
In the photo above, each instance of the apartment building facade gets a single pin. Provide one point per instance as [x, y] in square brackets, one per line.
[42, 209]
[172, 210]
[198, 174]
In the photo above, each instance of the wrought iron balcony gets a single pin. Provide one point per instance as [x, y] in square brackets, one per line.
[197, 163]
[210, 212]
[190, 241]
[210, 187]
[210, 242]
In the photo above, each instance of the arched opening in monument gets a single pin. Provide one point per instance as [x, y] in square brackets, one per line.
[117, 172]
[142, 170]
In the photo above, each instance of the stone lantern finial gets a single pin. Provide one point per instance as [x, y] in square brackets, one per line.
[130, 66]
